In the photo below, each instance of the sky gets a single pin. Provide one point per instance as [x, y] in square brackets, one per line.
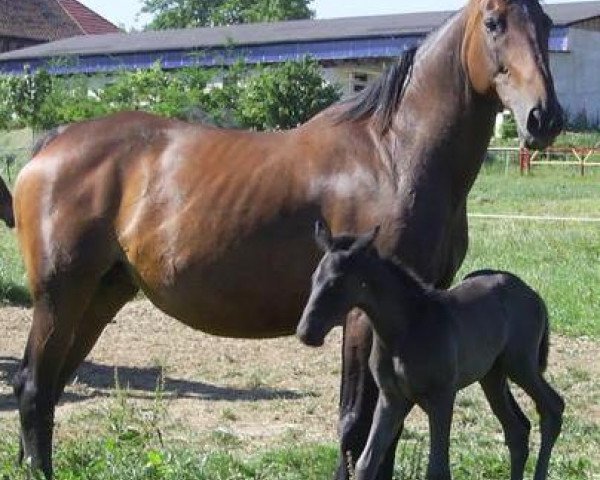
[124, 12]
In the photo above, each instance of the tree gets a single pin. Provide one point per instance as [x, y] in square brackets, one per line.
[197, 13]
[284, 96]
[26, 95]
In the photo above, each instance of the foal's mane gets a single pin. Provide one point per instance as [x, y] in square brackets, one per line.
[416, 286]
[413, 284]
[381, 99]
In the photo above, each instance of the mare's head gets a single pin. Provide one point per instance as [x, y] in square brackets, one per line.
[6, 205]
[336, 283]
[505, 52]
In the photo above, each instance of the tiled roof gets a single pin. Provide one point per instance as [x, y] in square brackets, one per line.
[89, 21]
[49, 20]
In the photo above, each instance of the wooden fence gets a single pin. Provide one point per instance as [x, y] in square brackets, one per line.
[582, 157]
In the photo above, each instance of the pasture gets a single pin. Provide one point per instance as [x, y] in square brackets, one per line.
[189, 405]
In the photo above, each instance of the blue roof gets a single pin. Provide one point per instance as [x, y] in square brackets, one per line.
[332, 50]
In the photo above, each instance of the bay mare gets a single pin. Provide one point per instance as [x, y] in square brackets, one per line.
[429, 343]
[215, 225]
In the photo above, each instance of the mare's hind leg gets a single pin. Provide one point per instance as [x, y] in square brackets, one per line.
[550, 407]
[514, 423]
[115, 289]
[57, 308]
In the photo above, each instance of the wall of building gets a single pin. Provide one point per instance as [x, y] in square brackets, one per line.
[352, 77]
[11, 43]
[577, 75]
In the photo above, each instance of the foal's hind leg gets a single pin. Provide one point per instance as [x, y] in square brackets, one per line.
[550, 407]
[514, 423]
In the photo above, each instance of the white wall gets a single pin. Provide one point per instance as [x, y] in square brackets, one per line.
[577, 74]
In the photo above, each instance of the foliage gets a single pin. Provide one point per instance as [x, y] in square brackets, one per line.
[71, 100]
[509, 127]
[25, 95]
[284, 96]
[275, 97]
[196, 13]
[157, 91]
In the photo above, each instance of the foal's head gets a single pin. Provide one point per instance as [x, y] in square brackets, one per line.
[337, 284]
[505, 53]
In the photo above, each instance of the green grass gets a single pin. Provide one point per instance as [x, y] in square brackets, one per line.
[129, 446]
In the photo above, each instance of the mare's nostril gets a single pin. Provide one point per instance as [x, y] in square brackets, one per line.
[534, 122]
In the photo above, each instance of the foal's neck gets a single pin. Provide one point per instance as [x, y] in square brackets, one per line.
[395, 297]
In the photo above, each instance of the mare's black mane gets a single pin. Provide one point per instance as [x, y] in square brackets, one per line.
[381, 99]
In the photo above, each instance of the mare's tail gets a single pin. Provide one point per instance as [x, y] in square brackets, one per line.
[545, 342]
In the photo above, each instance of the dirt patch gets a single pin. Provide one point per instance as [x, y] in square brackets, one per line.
[257, 390]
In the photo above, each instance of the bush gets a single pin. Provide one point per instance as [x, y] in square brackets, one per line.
[272, 97]
[509, 129]
[284, 96]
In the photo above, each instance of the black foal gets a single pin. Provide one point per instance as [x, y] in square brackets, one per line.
[429, 343]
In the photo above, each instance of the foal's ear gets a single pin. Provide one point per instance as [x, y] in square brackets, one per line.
[323, 236]
[366, 240]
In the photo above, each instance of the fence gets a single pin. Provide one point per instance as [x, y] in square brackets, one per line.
[583, 157]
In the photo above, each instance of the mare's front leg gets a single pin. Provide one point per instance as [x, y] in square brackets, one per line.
[439, 409]
[386, 427]
[358, 399]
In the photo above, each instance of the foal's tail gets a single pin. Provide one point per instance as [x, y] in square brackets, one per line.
[545, 342]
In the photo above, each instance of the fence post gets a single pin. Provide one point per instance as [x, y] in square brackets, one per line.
[524, 160]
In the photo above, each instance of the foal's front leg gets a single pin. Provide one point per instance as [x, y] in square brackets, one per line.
[439, 409]
[387, 421]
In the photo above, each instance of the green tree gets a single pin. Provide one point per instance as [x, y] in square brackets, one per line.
[26, 95]
[157, 91]
[284, 96]
[197, 13]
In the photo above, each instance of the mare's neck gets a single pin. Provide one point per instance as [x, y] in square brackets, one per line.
[442, 122]
[394, 298]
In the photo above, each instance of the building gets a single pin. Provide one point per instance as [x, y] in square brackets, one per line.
[351, 50]
[25, 23]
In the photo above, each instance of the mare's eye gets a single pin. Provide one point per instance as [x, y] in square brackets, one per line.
[495, 25]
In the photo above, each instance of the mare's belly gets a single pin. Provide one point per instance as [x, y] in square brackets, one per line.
[252, 285]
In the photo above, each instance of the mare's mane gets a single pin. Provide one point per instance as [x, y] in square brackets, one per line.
[382, 98]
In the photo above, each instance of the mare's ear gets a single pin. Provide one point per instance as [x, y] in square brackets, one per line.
[323, 236]
[365, 240]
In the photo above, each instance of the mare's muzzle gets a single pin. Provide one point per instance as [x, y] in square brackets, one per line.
[543, 125]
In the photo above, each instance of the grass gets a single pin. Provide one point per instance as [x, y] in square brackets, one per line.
[129, 445]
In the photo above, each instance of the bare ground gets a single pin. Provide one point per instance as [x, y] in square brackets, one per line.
[260, 391]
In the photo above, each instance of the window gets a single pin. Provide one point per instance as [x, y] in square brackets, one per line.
[358, 81]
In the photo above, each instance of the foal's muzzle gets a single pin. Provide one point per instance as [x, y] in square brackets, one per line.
[311, 337]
